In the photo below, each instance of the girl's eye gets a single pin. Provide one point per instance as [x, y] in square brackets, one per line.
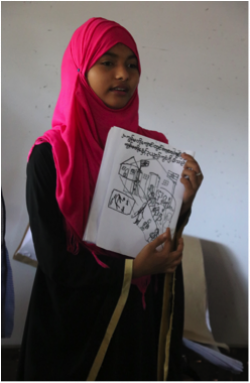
[107, 63]
[133, 66]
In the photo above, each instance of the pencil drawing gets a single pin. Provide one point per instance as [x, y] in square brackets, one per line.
[146, 195]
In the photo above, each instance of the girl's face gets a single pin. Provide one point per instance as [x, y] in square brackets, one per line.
[115, 76]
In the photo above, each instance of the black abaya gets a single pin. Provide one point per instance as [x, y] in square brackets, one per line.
[73, 300]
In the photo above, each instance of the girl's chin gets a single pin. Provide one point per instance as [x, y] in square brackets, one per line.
[116, 105]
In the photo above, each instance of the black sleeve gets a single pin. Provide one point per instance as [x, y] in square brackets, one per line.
[47, 227]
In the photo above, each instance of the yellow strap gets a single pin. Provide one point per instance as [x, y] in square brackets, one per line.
[164, 325]
[113, 321]
[168, 312]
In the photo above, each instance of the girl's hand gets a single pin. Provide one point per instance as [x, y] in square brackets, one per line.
[152, 261]
[192, 178]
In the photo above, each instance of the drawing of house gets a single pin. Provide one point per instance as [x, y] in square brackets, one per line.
[130, 172]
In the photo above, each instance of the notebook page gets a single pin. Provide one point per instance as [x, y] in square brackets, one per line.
[144, 194]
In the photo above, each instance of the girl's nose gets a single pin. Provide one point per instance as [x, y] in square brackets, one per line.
[121, 73]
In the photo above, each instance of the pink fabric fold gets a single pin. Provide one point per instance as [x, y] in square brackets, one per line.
[81, 122]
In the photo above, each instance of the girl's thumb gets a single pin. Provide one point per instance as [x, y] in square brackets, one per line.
[161, 238]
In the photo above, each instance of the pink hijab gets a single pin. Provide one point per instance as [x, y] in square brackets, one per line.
[81, 122]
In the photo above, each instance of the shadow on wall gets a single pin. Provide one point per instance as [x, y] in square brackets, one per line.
[223, 287]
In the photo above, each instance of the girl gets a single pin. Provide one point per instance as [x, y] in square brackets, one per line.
[93, 314]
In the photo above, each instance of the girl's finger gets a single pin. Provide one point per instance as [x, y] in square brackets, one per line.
[167, 244]
[180, 241]
[177, 262]
[179, 258]
[190, 176]
[188, 184]
[189, 172]
[192, 164]
[177, 254]
[180, 244]
[187, 157]
[165, 237]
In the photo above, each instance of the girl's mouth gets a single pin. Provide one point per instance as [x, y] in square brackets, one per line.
[119, 90]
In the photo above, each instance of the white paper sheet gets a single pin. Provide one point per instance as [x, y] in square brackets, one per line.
[27, 246]
[214, 356]
[91, 230]
[138, 193]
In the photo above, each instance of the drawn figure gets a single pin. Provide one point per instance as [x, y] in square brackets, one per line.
[158, 194]
[151, 192]
[145, 225]
[121, 202]
[139, 214]
[154, 234]
[152, 202]
[155, 210]
[117, 200]
[166, 219]
[159, 218]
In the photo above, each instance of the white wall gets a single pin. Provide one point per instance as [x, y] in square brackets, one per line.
[193, 88]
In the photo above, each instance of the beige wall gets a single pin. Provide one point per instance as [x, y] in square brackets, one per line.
[193, 88]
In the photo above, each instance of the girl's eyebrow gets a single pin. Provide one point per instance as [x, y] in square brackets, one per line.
[133, 56]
